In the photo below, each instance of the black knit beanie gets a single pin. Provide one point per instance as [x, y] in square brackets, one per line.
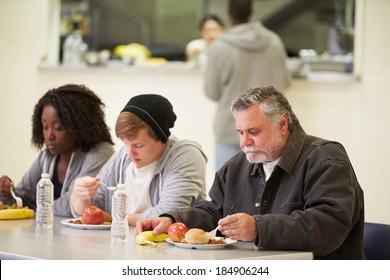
[155, 110]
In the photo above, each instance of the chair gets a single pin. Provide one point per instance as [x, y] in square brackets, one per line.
[377, 241]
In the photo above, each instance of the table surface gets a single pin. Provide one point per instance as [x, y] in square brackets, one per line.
[20, 239]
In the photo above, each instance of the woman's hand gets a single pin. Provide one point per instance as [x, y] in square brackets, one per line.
[193, 53]
[6, 185]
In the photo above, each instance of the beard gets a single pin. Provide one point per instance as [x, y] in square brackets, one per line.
[269, 152]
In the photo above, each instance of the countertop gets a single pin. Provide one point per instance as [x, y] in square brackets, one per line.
[21, 240]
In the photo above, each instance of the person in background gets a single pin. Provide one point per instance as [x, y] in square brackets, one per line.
[246, 55]
[160, 172]
[68, 126]
[210, 27]
[285, 190]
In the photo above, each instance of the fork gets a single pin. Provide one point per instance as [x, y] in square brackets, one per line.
[108, 188]
[18, 200]
[212, 234]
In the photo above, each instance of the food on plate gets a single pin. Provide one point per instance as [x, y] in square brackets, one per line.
[199, 236]
[20, 213]
[77, 221]
[92, 215]
[196, 236]
[217, 241]
[13, 206]
[177, 231]
[107, 218]
[147, 237]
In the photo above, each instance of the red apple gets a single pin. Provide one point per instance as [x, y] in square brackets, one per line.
[92, 215]
[177, 231]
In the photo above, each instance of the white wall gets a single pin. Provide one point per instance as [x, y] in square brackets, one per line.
[373, 152]
[355, 114]
[23, 29]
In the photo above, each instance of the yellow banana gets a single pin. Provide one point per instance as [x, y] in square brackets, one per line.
[132, 50]
[13, 214]
[147, 237]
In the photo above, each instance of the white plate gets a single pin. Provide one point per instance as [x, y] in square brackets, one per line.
[202, 246]
[83, 226]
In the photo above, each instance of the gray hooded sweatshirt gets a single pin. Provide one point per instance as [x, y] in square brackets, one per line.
[178, 179]
[82, 164]
[247, 55]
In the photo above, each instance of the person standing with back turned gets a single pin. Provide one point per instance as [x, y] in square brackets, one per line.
[246, 55]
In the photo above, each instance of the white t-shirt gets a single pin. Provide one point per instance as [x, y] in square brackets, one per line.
[137, 184]
[196, 44]
[268, 167]
[201, 59]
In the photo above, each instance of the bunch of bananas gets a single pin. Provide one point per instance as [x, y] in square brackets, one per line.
[13, 214]
[147, 237]
[133, 50]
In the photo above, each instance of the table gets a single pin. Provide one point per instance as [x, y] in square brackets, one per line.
[19, 239]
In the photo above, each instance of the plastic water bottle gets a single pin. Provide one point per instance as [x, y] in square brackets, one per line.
[45, 193]
[120, 225]
[74, 48]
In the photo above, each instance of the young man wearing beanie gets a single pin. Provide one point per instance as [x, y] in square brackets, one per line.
[160, 172]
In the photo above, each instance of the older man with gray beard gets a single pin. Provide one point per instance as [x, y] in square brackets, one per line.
[286, 191]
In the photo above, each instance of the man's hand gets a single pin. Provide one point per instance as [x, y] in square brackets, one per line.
[86, 187]
[239, 226]
[158, 225]
[83, 191]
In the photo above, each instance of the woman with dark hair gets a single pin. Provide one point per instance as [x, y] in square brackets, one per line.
[68, 127]
[210, 27]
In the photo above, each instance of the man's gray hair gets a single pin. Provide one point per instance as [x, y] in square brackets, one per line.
[271, 102]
